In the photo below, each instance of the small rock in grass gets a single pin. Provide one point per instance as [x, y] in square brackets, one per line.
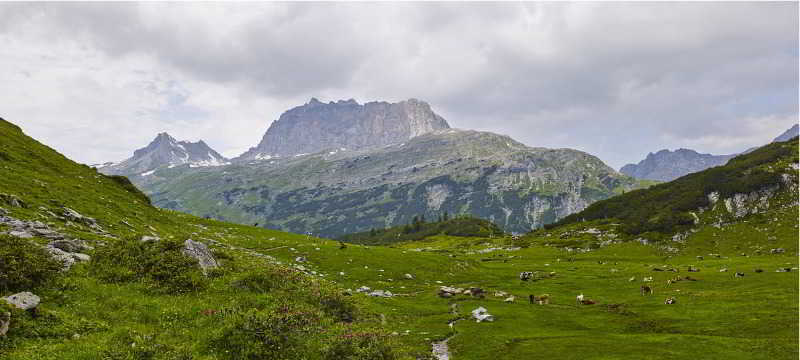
[24, 300]
[481, 314]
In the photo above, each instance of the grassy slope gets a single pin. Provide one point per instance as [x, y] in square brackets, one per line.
[82, 317]
[667, 207]
[717, 317]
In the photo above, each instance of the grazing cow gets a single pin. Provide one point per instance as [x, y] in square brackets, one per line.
[543, 300]
[525, 275]
[670, 301]
[759, 270]
[588, 302]
[579, 298]
[646, 290]
[648, 279]
[738, 275]
[477, 292]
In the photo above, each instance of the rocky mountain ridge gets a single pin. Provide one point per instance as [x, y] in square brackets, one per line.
[344, 125]
[666, 165]
[165, 151]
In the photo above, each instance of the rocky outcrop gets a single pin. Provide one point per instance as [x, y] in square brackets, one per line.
[165, 151]
[345, 125]
[201, 253]
[668, 165]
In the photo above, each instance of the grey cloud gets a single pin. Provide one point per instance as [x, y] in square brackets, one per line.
[615, 79]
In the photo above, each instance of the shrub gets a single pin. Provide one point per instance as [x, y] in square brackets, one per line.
[133, 345]
[160, 264]
[282, 332]
[334, 303]
[257, 282]
[24, 265]
[358, 346]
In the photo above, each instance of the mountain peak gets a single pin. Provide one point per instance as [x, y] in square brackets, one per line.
[788, 134]
[317, 126]
[165, 151]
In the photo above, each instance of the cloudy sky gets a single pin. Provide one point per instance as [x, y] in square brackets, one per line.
[96, 81]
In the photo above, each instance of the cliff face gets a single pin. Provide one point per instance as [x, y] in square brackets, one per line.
[318, 126]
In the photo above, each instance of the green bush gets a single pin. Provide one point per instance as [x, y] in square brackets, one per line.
[464, 226]
[24, 265]
[334, 303]
[258, 281]
[159, 264]
[358, 346]
[281, 332]
[133, 345]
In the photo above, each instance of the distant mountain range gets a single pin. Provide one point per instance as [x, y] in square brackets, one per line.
[165, 151]
[376, 165]
[666, 165]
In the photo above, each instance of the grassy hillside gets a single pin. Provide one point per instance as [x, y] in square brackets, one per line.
[146, 300]
[667, 208]
[419, 229]
[278, 290]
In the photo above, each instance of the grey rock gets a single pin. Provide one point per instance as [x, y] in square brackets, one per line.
[201, 253]
[21, 234]
[71, 246]
[166, 152]
[80, 257]
[24, 300]
[317, 126]
[65, 258]
[481, 314]
[77, 217]
[381, 293]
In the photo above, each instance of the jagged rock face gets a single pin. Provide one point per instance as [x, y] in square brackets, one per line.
[317, 126]
[788, 134]
[165, 151]
[668, 165]
[332, 193]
